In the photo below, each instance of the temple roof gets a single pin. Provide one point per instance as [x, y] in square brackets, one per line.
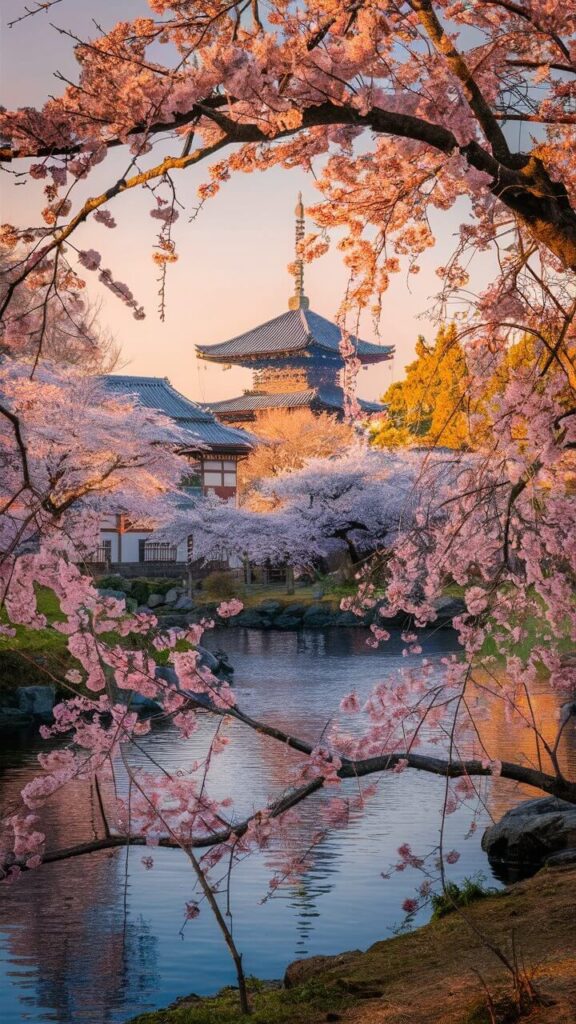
[326, 397]
[294, 331]
[158, 393]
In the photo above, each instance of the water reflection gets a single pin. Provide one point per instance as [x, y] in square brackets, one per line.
[96, 940]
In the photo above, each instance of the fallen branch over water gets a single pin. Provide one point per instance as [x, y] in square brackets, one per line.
[551, 784]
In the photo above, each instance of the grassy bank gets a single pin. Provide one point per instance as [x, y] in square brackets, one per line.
[41, 653]
[438, 974]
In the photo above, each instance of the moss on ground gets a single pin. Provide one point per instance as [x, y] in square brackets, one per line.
[309, 1003]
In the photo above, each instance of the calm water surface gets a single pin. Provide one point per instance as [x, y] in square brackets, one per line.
[98, 939]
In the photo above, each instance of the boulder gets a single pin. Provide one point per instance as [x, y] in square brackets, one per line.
[225, 669]
[319, 616]
[115, 582]
[216, 661]
[270, 607]
[211, 661]
[168, 675]
[250, 618]
[36, 701]
[558, 860]
[172, 595]
[287, 621]
[155, 600]
[296, 611]
[172, 619]
[145, 705]
[447, 608]
[532, 832]
[109, 592]
[183, 604]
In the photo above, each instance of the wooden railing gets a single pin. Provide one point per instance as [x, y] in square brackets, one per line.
[160, 553]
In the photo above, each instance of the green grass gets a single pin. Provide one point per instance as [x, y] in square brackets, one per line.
[46, 648]
[455, 896]
[306, 594]
[42, 656]
[305, 1004]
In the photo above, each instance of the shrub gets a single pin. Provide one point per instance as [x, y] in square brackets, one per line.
[221, 584]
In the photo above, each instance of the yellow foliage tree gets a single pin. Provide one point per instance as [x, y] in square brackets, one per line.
[432, 405]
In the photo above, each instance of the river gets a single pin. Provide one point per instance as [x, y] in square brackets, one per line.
[95, 940]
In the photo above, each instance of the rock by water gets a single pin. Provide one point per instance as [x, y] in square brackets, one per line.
[531, 833]
[36, 701]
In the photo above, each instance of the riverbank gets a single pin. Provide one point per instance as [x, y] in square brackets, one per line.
[438, 974]
[41, 656]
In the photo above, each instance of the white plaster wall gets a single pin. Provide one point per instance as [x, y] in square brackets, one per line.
[130, 545]
[182, 552]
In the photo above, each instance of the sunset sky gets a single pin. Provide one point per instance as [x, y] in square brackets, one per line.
[232, 268]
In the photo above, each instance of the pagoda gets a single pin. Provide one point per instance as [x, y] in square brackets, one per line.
[295, 359]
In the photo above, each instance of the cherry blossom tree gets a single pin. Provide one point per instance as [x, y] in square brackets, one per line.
[69, 332]
[402, 109]
[358, 500]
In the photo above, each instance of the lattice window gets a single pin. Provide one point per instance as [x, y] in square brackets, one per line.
[219, 472]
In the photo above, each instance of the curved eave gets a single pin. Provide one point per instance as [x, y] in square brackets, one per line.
[216, 449]
[255, 357]
[319, 398]
[379, 357]
[260, 357]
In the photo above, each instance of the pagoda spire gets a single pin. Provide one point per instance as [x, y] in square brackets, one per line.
[299, 300]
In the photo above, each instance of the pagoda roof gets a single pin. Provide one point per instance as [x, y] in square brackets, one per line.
[325, 396]
[197, 421]
[296, 330]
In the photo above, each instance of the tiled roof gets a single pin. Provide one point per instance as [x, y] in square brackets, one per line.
[329, 397]
[292, 331]
[253, 403]
[199, 422]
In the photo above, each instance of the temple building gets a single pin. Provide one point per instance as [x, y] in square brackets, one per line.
[295, 359]
[213, 450]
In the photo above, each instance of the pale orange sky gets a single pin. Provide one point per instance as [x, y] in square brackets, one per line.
[231, 274]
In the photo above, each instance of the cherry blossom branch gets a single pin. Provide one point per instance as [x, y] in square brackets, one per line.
[442, 767]
[14, 420]
[7, 154]
[41, 6]
[122, 185]
[460, 69]
[535, 64]
[523, 185]
[529, 15]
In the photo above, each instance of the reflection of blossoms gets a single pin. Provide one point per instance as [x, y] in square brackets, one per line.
[350, 703]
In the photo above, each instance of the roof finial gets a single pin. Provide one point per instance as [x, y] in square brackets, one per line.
[299, 300]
